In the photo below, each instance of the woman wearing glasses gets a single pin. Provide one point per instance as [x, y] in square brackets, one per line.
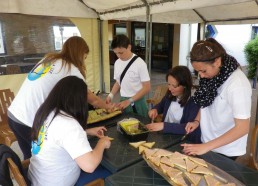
[177, 105]
[224, 96]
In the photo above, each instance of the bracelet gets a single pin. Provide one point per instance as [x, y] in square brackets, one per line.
[131, 101]
[197, 121]
[111, 95]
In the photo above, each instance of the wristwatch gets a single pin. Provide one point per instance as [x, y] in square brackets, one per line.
[131, 101]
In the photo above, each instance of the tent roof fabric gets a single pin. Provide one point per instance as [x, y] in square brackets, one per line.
[164, 11]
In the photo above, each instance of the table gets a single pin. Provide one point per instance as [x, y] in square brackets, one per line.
[121, 155]
[141, 174]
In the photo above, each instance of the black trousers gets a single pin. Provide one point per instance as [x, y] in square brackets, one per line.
[23, 135]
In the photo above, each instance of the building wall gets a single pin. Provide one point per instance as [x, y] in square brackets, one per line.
[234, 38]
[39, 33]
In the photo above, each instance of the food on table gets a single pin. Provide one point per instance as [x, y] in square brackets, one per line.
[180, 169]
[163, 152]
[180, 163]
[202, 170]
[137, 144]
[166, 161]
[111, 139]
[165, 168]
[190, 165]
[193, 178]
[211, 181]
[155, 160]
[131, 126]
[149, 152]
[179, 180]
[100, 115]
[198, 161]
[172, 173]
[141, 149]
[149, 144]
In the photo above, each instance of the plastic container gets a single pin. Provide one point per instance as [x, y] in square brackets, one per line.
[133, 129]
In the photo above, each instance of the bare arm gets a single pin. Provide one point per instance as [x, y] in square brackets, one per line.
[88, 162]
[97, 102]
[240, 129]
[143, 91]
[146, 86]
[115, 89]
[191, 126]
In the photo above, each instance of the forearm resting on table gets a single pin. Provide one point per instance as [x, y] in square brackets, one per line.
[240, 129]
[89, 161]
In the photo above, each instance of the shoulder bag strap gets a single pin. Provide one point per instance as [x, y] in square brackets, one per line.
[126, 68]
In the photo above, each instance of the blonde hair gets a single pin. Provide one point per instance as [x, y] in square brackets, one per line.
[73, 52]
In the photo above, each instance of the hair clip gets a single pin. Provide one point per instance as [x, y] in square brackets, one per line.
[209, 48]
[200, 44]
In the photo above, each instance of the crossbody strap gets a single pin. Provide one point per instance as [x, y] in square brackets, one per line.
[126, 68]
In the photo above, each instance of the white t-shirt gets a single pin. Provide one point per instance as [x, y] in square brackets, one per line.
[233, 101]
[135, 75]
[53, 163]
[175, 113]
[36, 88]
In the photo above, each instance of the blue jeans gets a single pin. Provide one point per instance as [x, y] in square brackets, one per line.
[85, 177]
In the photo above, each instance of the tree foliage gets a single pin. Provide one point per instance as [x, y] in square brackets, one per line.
[251, 53]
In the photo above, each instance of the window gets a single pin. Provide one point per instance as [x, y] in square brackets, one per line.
[120, 29]
[62, 33]
[254, 31]
[2, 50]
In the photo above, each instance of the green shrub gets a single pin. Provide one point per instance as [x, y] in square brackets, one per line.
[251, 53]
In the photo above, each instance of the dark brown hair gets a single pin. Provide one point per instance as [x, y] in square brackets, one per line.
[72, 52]
[68, 98]
[206, 51]
[184, 78]
[120, 41]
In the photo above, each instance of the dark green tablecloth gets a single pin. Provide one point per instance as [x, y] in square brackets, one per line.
[121, 154]
[140, 174]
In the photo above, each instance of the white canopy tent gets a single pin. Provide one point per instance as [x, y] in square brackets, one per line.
[164, 11]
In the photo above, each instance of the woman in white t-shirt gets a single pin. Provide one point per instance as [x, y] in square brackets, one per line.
[60, 147]
[224, 96]
[40, 81]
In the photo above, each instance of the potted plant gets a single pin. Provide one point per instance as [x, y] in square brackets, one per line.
[251, 53]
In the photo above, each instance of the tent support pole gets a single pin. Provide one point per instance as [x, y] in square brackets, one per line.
[101, 66]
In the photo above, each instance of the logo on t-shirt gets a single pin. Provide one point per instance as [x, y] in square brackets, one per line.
[39, 71]
[37, 145]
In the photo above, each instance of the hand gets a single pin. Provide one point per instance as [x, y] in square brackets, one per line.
[111, 107]
[96, 131]
[191, 126]
[155, 126]
[105, 141]
[195, 149]
[153, 113]
[123, 104]
[108, 100]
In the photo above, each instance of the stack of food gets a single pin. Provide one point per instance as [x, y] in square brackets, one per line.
[133, 129]
[100, 115]
[180, 169]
